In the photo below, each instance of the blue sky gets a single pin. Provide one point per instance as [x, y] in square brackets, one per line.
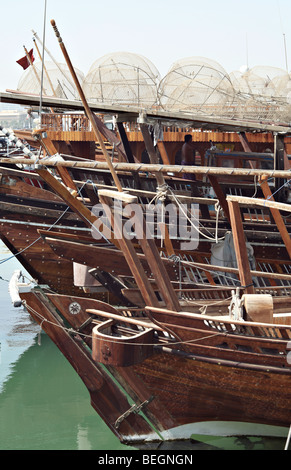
[228, 31]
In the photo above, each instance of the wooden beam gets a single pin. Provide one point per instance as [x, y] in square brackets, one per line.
[75, 204]
[163, 152]
[277, 216]
[166, 237]
[122, 319]
[50, 149]
[158, 269]
[151, 151]
[126, 144]
[253, 202]
[245, 144]
[130, 255]
[280, 161]
[220, 195]
[120, 196]
[240, 248]
[145, 167]
[152, 256]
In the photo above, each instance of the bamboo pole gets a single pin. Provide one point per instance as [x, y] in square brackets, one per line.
[86, 106]
[147, 167]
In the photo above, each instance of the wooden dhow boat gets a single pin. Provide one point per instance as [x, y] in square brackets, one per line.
[184, 371]
[171, 357]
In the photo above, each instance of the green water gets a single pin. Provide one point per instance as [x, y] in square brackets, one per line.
[44, 405]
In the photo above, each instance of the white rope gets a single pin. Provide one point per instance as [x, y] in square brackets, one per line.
[217, 208]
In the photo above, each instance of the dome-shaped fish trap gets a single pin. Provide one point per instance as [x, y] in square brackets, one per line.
[255, 93]
[57, 80]
[197, 85]
[122, 78]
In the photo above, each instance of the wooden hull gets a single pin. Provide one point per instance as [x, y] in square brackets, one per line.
[196, 391]
[179, 387]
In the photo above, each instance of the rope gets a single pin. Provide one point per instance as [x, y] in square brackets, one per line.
[212, 304]
[279, 189]
[217, 208]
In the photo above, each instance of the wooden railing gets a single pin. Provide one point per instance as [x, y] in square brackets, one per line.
[66, 122]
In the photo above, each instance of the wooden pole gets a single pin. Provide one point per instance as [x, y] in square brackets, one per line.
[148, 167]
[31, 63]
[131, 257]
[276, 215]
[151, 152]
[245, 144]
[48, 77]
[86, 106]
[240, 248]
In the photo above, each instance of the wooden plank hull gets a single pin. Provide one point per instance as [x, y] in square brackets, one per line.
[180, 386]
[199, 391]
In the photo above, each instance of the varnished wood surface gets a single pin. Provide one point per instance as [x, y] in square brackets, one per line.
[193, 387]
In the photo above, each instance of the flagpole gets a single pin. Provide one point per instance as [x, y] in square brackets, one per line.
[46, 72]
[31, 63]
[41, 87]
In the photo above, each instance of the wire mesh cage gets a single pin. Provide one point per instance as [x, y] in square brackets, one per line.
[257, 93]
[122, 78]
[196, 84]
[57, 80]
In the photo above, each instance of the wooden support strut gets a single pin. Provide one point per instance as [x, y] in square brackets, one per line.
[152, 255]
[240, 247]
[151, 152]
[44, 67]
[130, 256]
[245, 144]
[31, 63]
[51, 150]
[276, 215]
[77, 206]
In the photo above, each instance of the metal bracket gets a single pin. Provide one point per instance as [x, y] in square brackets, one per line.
[133, 409]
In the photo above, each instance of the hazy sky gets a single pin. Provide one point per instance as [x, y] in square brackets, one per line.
[230, 32]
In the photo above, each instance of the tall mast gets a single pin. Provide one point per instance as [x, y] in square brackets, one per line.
[87, 108]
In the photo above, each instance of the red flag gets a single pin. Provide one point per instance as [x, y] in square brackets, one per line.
[24, 62]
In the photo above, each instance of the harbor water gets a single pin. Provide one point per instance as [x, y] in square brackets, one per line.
[44, 405]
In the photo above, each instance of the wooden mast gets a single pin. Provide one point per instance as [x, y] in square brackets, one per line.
[87, 108]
